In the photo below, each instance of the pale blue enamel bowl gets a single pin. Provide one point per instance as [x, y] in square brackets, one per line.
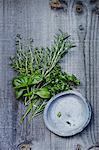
[67, 113]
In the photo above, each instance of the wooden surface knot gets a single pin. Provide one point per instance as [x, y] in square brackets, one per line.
[81, 27]
[79, 7]
[24, 146]
[58, 4]
[78, 147]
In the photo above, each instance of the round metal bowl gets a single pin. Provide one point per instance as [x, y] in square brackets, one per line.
[67, 113]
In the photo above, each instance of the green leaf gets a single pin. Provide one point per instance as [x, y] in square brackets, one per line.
[43, 92]
[20, 82]
[35, 79]
[16, 82]
[59, 114]
[19, 93]
[29, 94]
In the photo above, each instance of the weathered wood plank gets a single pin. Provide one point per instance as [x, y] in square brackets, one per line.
[34, 18]
[6, 100]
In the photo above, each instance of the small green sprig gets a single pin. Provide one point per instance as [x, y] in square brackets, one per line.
[59, 114]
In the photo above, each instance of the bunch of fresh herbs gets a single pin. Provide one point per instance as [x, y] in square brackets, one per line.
[39, 75]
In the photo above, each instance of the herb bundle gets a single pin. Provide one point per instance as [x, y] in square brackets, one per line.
[39, 75]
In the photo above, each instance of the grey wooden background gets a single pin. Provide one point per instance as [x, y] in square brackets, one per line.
[34, 18]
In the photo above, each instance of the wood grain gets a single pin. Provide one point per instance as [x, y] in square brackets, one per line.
[34, 18]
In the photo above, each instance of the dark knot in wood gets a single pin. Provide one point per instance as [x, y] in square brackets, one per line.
[78, 147]
[79, 7]
[56, 4]
[81, 27]
[24, 146]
